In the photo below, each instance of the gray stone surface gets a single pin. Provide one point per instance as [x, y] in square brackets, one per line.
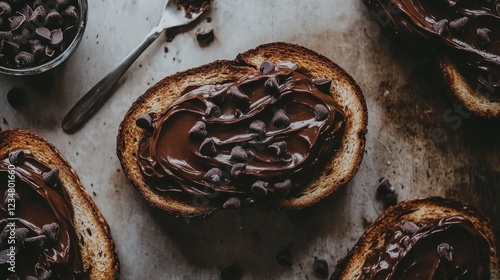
[405, 102]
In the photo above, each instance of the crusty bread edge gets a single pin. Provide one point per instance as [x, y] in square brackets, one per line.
[350, 267]
[98, 250]
[128, 130]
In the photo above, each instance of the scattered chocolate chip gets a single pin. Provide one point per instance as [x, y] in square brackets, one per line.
[458, 26]
[441, 27]
[320, 268]
[484, 35]
[239, 97]
[232, 203]
[213, 176]
[51, 231]
[260, 188]
[232, 272]
[405, 241]
[24, 59]
[53, 20]
[320, 112]
[323, 84]
[21, 234]
[445, 251]
[50, 178]
[5, 9]
[238, 170]
[390, 200]
[38, 50]
[39, 15]
[16, 97]
[384, 188]
[36, 243]
[279, 148]
[258, 127]
[208, 148]
[42, 273]
[204, 35]
[238, 154]
[280, 119]
[56, 37]
[145, 122]
[284, 257]
[272, 84]
[17, 158]
[283, 187]
[43, 32]
[267, 67]
[213, 111]
[199, 130]
[16, 21]
[410, 228]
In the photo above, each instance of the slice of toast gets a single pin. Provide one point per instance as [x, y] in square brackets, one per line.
[416, 211]
[338, 171]
[96, 245]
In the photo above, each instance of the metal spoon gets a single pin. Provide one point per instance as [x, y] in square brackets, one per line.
[93, 100]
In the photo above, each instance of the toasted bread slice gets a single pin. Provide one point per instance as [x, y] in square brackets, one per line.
[416, 211]
[96, 245]
[341, 168]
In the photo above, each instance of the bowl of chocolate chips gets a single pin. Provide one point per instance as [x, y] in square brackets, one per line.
[38, 35]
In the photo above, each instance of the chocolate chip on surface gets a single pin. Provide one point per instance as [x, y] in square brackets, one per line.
[238, 113]
[260, 188]
[320, 268]
[232, 203]
[39, 15]
[390, 200]
[384, 188]
[24, 59]
[458, 26]
[405, 241]
[320, 112]
[53, 20]
[51, 231]
[280, 119]
[267, 67]
[441, 27]
[199, 130]
[279, 148]
[50, 178]
[49, 52]
[409, 228]
[323, 84]
[213, 176]
[239, 97]
[145, 122]
[484, 35]
[5, 9]
[445, 251]
[21, 234]
[204, 35]
[70, 14]
[283, 187]
[238, 154]
[208, 148]
[258, 127]
[43, 32]
[56, 37]
[36, 243]
[17, 158]
[213, 111]
[16, 21]
[238, 170]
[16, 97]
[272, 85]
[284, 257]
[232, 272]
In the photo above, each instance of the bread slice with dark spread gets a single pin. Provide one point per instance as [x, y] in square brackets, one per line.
[431, 238]
[335, 172]
[95, 246]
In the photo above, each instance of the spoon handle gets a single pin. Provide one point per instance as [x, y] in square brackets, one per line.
[93, 100]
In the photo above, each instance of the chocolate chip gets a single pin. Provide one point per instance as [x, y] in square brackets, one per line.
[39, 15]
[384, 188]
[239, 97]
[24, 59]
[280, 119]
[53, 20]
[38, 50]
[441, 27]
[238, 113]
[323, 84]
[50, 178]
[279, 148]
[14, 277]
[272, 85]
[51, 231]
[238, 154]
[260, 188]
[17, 158]
[36, 243]
[5, 35]
[458, 26]
[21, 234]
[232, 203]
[15, 97]
[238, 170]
[405, 241]
[409, 228]
[390, 200]
[258, 127]
[199, 130]
[213, 111]
[5, 9]
[267, 67]
[16, 21]
[232, 272]
[43, 32]
[484, 35]
[56, 37]
[208, 148]
[284, 257]
[445, 251]
[320, 112]
[145, 122]
[27, 11]
[320, 268]
[283, 187]
[49, 52]
[204, 35]
[71, 14]
[42, 273]
[213, 176]
[4, 258]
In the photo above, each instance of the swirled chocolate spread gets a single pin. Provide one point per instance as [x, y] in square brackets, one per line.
[467, 31]
[240, 141]
[450, 248]
[38, 240]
